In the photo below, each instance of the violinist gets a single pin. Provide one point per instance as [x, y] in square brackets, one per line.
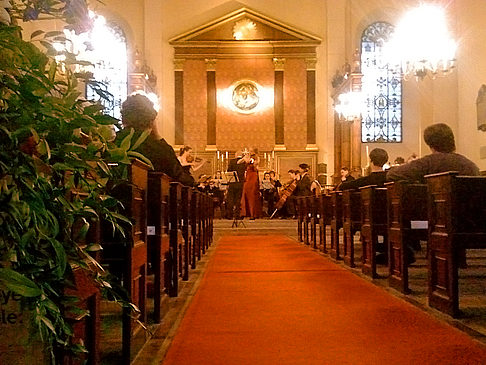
[189, 163]
[250, 199]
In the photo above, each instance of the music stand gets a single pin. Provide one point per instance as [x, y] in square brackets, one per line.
[232, 177]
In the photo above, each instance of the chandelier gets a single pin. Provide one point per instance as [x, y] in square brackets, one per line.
[421, 43]
[350, 105]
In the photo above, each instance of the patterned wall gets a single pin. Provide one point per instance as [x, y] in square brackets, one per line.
[295, 104]
[195, 104]
[235, 130]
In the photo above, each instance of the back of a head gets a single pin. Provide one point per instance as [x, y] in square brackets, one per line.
[138, 112]
[378, 157]
[440, 137]
[304, 166]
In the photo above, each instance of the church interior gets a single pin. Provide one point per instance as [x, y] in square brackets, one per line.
[166, 271]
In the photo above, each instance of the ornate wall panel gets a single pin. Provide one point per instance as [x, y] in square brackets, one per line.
[195, 105]
[295, 84]
[236, 130]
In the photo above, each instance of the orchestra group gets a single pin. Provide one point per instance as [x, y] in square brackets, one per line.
[244, 191]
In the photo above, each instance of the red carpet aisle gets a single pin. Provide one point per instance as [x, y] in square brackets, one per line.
[268, 300]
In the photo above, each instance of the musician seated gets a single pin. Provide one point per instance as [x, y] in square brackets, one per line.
[286, 203]
[378, 157]
[268, 190]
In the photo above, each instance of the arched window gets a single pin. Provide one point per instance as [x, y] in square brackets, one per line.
[105, 47]
[382, 86]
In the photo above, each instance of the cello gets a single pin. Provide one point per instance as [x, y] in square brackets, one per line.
[284, 195]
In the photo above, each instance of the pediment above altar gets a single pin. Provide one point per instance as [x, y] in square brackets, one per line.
[244, 26]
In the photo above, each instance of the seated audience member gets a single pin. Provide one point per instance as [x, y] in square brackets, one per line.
[440, 138]
[399, 161]
[378, 157]
[345, 176]
[138, 113]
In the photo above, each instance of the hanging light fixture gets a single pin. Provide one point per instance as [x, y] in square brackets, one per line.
[350, 105]
[421, 43]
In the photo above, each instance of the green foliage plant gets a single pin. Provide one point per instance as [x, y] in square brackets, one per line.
[52, 143]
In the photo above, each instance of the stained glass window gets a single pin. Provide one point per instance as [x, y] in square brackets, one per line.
[382, 86]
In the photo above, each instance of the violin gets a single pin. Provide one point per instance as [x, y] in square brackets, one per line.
[191, 159]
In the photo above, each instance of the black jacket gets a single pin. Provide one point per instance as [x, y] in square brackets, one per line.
[161, 154]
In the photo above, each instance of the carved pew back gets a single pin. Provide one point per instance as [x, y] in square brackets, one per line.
[373, 225]
[126, 257]
[336, 223]
[157, 235]
[407, 216]
[351, 223]
[456, 211]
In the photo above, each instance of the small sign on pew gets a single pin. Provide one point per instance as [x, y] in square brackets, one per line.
[419, 224]
[150, 230]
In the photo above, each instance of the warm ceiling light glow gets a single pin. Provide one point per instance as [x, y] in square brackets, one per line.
[421, 43]
[151, 96]
[350, 105]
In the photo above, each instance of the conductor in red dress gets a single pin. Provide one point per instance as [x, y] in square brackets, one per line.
[250, 200]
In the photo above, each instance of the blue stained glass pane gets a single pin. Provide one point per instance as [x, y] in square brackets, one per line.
[382, 119]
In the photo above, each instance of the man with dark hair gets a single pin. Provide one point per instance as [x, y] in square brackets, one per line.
[440, 138]
[304, 183]
[138, 113]
[378, 157]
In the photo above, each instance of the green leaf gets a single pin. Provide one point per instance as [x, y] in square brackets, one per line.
[125, 144]
[140, 157]
[61, 257]
[36, 33]
[48, 323]
[52, 71]
[141, 139]
[19, 283]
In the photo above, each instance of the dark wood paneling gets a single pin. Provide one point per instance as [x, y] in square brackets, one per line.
[311, 107]
[211, 97]
[279, 107]
[179, 107]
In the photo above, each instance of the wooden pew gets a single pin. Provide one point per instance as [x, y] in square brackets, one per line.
[86, 327]
[325, 217]
[351, 223]
[336, 223]
[456, 212]
[299, 208]
[373, 224]
[126, 257]
[174, 241]
[312, 202]
[304, 203]
[186, 196]
[157, 235]
[407, 209]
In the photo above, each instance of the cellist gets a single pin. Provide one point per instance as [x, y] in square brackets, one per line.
[286, 202]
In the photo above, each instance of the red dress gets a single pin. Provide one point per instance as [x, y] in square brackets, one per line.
[250, 199]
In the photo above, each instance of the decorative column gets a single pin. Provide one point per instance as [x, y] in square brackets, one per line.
[179, 102]
[211, 104]
[278, 104]
[311, 104]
